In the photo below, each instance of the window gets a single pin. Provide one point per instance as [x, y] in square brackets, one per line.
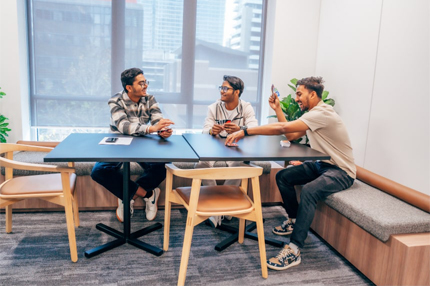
[183, 47]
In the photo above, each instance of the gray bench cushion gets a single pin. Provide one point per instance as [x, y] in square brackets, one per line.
[378, 212]
[84, 168]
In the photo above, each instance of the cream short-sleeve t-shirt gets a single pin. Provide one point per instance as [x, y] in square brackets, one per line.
[328, 134]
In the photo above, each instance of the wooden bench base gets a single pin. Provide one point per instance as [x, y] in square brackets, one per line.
[403, 260]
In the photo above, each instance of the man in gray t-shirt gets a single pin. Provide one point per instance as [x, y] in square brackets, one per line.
[327, 134]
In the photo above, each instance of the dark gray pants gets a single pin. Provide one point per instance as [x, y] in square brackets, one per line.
[319, 180]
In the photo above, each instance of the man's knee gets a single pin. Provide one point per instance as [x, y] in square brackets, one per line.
[282, 177]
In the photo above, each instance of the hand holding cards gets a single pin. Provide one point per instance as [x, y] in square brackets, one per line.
[275, 90]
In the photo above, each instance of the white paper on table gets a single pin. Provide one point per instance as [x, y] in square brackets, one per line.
[119, 141]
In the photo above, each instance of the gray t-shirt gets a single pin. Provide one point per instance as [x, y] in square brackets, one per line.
[328, 134]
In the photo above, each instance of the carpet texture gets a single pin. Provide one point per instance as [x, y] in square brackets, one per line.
[37, 253]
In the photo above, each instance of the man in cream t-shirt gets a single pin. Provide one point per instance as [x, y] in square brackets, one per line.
[327, 134]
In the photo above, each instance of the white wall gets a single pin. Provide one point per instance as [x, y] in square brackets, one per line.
[294, 47]
[14, 68]
[374, 56]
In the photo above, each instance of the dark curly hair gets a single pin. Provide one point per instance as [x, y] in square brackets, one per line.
[235, 82]
[128, 76]
[314, 83]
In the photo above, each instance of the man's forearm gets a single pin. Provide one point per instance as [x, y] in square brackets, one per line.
[297, 127]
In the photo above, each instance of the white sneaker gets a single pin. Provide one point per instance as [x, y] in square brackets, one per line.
[215, 221]
[120, 210]
[151, 207]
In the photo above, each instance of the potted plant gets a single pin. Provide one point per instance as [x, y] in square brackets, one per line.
[3, 123]
[291, 108]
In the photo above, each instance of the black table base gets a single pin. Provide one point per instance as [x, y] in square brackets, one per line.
[133, 240]
[126, 236]
[235, 236]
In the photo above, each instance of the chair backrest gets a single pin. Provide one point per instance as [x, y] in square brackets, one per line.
[8, 163]
[241, 172]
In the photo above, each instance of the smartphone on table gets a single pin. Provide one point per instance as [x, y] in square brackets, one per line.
[111, 139]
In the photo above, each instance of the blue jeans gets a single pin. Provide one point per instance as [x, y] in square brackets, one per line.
[109, 176]
[319, 180]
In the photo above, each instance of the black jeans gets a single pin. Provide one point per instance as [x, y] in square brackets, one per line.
[319, 180]
[109, 176]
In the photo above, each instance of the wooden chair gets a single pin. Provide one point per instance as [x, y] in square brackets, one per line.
[203, 202]
[55, 188]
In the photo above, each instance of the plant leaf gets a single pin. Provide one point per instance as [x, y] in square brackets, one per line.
[2, 138]
[292, 87]
[324, 94]
[330, 101]
[294, 81]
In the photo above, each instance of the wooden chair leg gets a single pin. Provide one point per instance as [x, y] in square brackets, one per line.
[8, 211]
[241, 236]
[260, 226]
[76, 211]
[167, 209]
[71, 230]
[186, 249]
[68, 208]
[167, 213]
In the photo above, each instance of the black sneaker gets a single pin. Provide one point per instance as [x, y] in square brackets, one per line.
[285, 259]
[286, 228]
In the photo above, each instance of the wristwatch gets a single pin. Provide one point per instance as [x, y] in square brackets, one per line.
[245, 130]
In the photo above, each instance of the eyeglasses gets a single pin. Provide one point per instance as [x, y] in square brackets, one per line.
[224, 88]
[143, 83]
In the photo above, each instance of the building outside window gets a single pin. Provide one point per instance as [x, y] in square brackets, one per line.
[72, 47]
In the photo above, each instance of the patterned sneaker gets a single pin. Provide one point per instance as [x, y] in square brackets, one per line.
[151, 207]
[285, 229]
[285, 259]
[215, 221]
[120, 210]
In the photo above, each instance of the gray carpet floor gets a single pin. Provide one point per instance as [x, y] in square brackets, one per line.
[37, 253]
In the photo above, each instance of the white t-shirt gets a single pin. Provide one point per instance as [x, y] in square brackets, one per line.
[328, 134]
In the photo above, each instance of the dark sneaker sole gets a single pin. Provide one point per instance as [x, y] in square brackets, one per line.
[295, 263]
[281, 233]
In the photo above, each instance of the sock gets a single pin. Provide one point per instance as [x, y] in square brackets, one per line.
[148, 194]
[294, 247]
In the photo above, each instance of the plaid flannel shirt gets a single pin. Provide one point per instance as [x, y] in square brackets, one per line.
[131, 118]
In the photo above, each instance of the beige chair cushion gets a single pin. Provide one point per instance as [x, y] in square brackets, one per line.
[217, 198]
[39, 184]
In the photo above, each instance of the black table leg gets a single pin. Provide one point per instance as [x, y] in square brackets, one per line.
[126, 236]
[235, 235]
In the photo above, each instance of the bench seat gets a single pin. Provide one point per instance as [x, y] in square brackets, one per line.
[377, 212]
[381, 227]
